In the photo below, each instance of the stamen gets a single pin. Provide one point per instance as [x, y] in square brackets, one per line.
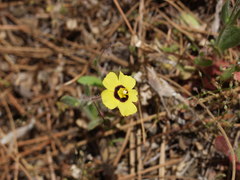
[121, 93]
[125, 91]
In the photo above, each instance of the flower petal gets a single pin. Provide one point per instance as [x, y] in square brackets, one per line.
[111, 81]
[127, 108]
[127, 81]
[109, 100]
[133, 95]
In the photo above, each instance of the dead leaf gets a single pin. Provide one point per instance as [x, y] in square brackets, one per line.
[162, 87]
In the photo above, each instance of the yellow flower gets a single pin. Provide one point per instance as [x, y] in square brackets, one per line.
[120, 93]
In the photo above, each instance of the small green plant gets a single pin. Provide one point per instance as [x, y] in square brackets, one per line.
[119, 93]
[86, 103]
[229, 35]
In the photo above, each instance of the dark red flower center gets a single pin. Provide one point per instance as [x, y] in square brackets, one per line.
[121, 93]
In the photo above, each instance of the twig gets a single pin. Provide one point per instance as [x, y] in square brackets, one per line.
[161, 171]
[142, 123]
[20, 164]
[124, 17]
[14, 101]
[168, 163]
[85, 68]
[109, 32]
[117, 159]
[50, 162]
[139, 154]
[27, 51]
[96, 52]
[176, 25]
[47, 138]
[132, 153]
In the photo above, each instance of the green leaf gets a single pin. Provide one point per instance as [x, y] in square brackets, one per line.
[234, 17]
[190, 20]
[235, 13]
[93, 110]
[117, 140]
[227, 74]
[202, 62]
[229, 38]
[225, 14]
[170, 49]
[90, 110]
[186, 71]
[70, 101]
[93, 124]
[90, 80]
[92, 114]
[61, 106]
